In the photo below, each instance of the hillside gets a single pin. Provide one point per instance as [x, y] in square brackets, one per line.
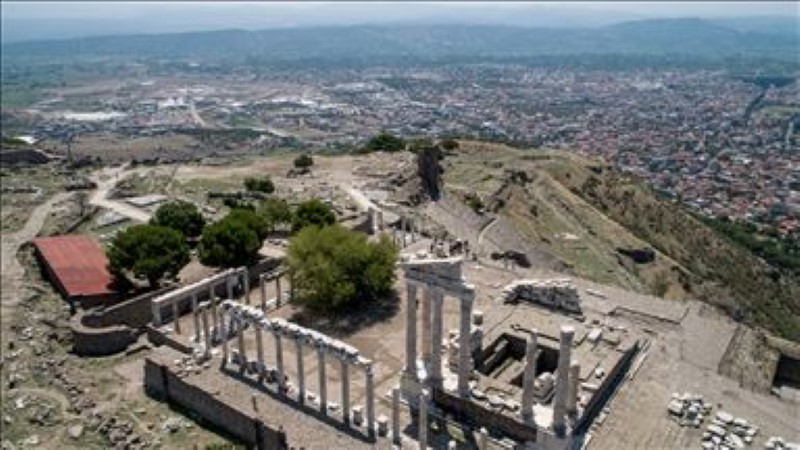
[653, 37]
[607, 227]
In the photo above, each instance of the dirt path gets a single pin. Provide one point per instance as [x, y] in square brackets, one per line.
[106, 179]
[13, 273]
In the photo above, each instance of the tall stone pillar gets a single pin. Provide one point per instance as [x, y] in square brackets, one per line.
[423, 420]
[426, 330]
[529, 377]
[196, 319]
[396, 416]
[206, 333]
[279, 362]
[483, 439]
[301, 376]
[465, 347]
[370, 386]
[345, 391]
[562, 380]
[323, 380]
[262, 284]
[260, 351]
[572, 393]
[436, 329]
[157, 321]
[176, 317]
[223, 335]
[242, 349]
[411, 331]
[215, 313]
[229, 286]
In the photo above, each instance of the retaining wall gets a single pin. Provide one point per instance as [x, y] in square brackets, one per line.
[161, 383]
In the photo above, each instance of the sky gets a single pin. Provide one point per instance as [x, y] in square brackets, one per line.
[26, 20]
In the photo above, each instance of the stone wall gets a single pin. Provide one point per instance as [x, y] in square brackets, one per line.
[87, 341]
[476, 415]
[161, 383]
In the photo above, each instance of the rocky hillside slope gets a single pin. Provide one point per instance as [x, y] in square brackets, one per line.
[610, 228]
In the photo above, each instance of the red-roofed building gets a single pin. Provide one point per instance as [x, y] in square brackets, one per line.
[78, 268]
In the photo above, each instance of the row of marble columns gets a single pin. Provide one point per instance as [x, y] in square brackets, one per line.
[241, 315]
[174, 298]
[262, 282]
[406, 229]
[432, 331]
[565, 400]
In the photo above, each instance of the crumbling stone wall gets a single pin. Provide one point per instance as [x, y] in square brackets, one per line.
[477, 415]
[104, 341]
[161, 383]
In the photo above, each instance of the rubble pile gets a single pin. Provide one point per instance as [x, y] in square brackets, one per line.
[689, 409]
[555, 293]
[778, 443]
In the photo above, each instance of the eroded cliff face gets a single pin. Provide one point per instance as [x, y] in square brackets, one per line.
[430, 171]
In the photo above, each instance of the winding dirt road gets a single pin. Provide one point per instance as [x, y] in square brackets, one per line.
[12, 275]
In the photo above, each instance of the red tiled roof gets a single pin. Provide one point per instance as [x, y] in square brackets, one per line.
[79, 264]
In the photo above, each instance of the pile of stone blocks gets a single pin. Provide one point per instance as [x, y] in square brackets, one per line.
[689, 409]
[554, 293]
[726, 431]
[778, 443]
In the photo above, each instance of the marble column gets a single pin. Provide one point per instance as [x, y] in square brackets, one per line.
[196, 319]
[223, 334]
[483, 439]
[562, 380]
[423, 420]
[206, 333]
[260, 351]
[263, 287]
[176, 317]
[156, 314]
[436, 329]
[246, 283]
[229, 286]
[465, 347]
[301, 376]
[572, 392]
[396, 416]
[323, 380]
[215, 315]
[529, 377]
[279, 362]
[426, 330]
[345, 391]
[242, 349]
[370, 387]
[411, 331]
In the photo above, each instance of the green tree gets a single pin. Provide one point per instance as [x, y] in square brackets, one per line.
[254, 221]
[304, 161]
[276, 212]
[228, 243]
[181, 216]
[449, 144]
[334, 267]
[385, 142]
[263, 184]
[148, 251]
[312, 212]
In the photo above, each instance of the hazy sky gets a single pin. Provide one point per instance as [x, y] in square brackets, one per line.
[41, 20]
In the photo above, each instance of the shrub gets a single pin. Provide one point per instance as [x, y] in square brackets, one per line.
[263, 184]
[312, 212]
[304, 161]
[334, 267]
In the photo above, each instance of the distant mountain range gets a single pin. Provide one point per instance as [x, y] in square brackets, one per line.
[694, 37]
